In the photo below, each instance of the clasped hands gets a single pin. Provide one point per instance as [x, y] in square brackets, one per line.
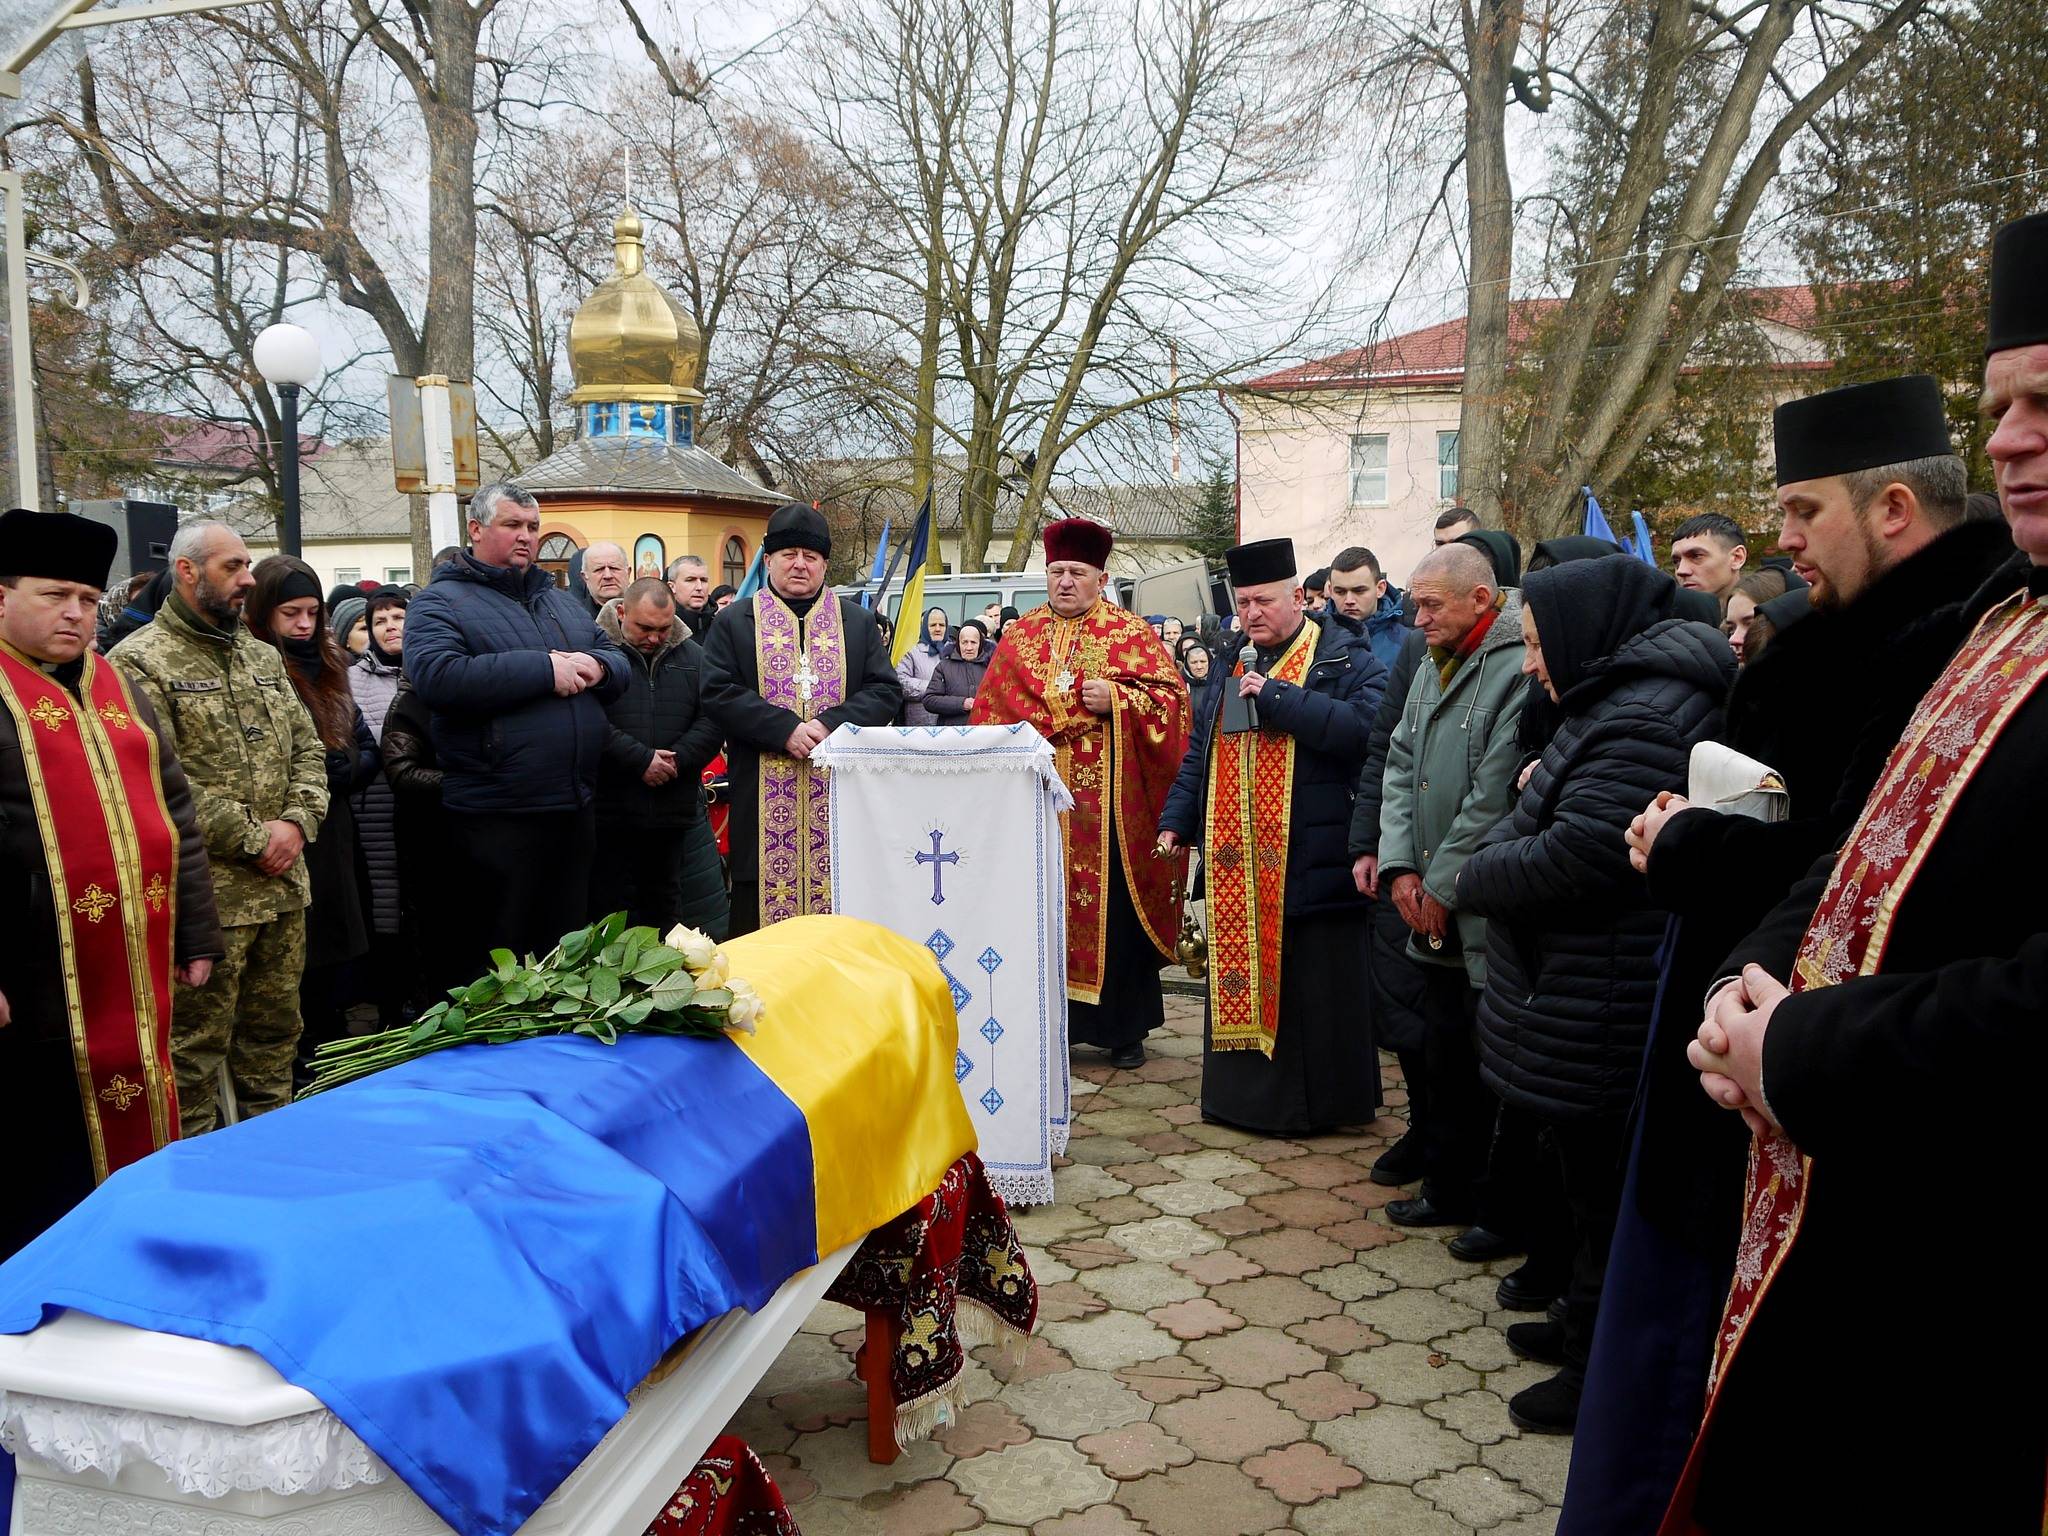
[1728, 1052]
[806, 738]
[660, 769]
[575, 671]
[1421, 911]
[1642, 832]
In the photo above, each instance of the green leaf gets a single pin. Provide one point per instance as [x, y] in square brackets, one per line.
[503, 963]
[423, 1031]
[453, 1021]
[604, 987]
[613, 955]
[610, 927]
[673, 991]
[567, 1005]
[655, 964]
[633, 1012]
[716, 999]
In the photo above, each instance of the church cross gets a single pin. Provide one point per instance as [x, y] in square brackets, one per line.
[938, 862]
[806, 679]
[49, 714]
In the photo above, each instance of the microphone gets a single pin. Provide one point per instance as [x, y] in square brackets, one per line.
[1248, 659]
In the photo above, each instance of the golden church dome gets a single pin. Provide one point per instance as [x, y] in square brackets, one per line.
[631, 341]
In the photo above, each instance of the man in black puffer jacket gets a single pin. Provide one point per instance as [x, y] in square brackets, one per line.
[517, 677]
[1289, 1050]
[650, 794]
[1572, 940]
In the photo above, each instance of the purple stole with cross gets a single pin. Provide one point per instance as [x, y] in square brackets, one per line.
[803, 670]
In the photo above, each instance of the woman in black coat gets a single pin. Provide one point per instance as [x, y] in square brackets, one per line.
[1572, 939]
[949, 694]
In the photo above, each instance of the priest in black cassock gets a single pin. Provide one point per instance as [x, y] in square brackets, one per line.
[783, 670]
[1883, 1037]
[1266, 791]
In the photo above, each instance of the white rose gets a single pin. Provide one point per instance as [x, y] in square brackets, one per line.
[694, 946]
[746, 1008]
[714, 971]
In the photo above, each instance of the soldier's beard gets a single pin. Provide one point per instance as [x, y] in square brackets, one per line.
[218, 608]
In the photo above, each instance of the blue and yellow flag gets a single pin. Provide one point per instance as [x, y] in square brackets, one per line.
[909, 613]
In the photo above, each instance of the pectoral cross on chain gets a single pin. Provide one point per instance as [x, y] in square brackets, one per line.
[1064, 682]
[938, 862]
[806, 679]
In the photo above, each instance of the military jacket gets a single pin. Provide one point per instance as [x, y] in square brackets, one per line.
[227, 709]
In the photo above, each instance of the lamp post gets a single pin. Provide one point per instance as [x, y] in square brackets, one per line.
[288, 356]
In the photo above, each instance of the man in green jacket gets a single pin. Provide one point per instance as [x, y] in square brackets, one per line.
[1450, 768]
[258, 770]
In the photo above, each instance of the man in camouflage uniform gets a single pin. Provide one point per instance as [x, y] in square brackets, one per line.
[259, 783]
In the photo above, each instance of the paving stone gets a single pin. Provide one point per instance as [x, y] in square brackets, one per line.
[1046, 1268]
[1201, 1499]
[1110, 1340]
[1392, 1444]
[1209, 1165]
[1181, 1114]
[1374, 1510]
[1257, 1182]
[1200, 1318]
[1291, 1251]
[1542, 1522]
[1117, 1121]
[1536, 1463]
[1229, 1424]
[1217, 1268]
[1163, 1142]
[1368, 1196]
[1417, 1315]
[1349, 1282]
[1484, 1349]
[1238, 1220]
[1273, 1301]
[1064, 1302]
[1255, 1357]
[791, 1481]
[837, 1460]
[1407, 1373]
[820, 1405]
[1337, 1336]
[1040, 1360]
[763, 1426]
[1417, 1262]
[1167, 1069]
[1305, 1207]
[1163, 1237]
[1480, 1416]
[981, 1427]
[1302, 1473]
[1268, 1150]
[1031, 1482]
[1319, 1170]
[1476, 1497]
[1102, 1520]
[1151, 1090]
[1102, 1151]
[808, 1360]
[1046, 1225]
[1363, 1234]
[1211, 1135]
[1138, 1175]
[1088, 1253]
[1479, 1291]
[1078, 1183]
[829, 1317]
[1075, 1403]
[1134, 1451]
[1321, 1396]
[1137, 1286]
[1169, 1379]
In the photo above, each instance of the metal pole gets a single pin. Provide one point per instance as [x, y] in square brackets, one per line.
[21, 355]
[288, 472]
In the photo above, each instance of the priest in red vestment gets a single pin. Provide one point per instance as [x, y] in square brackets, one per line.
[1096, 682]
[104, 888]
[1883, 1035]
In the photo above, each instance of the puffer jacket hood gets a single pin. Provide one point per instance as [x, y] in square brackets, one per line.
[1586, 610]
[1499, 548]
[610, 619]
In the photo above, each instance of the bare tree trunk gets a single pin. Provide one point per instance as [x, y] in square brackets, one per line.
[1493, 30]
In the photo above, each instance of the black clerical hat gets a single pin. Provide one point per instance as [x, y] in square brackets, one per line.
[1253, 565]
[56, 545]
[2019, 285]
[797, 526]
[1861, 426]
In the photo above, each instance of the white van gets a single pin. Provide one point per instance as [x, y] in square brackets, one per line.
[964, 597]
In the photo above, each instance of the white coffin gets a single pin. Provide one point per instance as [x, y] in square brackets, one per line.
[220, 1414]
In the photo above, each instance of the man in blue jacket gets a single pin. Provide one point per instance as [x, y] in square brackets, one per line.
[1360, 590]
[517, 676]
[1267, 793]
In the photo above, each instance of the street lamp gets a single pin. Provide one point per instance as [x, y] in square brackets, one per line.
[288, 356]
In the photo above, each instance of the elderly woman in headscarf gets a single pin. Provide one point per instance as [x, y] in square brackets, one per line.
[915, 670]
[957, 679]
[1572, 939]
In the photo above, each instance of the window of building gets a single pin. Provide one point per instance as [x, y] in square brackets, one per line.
[347, 575]
[397, 575]
[556, 551]
[1447, 465]
[733, 564]
[1368, 469]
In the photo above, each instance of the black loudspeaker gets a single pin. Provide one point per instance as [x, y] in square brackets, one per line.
[146, 529]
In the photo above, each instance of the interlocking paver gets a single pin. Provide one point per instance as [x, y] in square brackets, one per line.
[1291, 1251]
[1273, 1301]
[1256, 1357]
[1476, 1497]
[1078, 1403]
[1202, 1499]
[988, 1426]
[1111, 1339]
[1321, 1396]
[1302, 1473]
[1140, 1286]
[1230, 1424]
[1134, 1451]
[1217, 1268]
[1031, 1482]
[1392, 1444]
[1199, 1318]
[1339, 1335]
[1168, 1379]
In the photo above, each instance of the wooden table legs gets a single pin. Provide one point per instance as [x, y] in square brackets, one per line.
[875, 1356]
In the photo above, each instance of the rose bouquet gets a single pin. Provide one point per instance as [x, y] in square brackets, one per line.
[602, 981]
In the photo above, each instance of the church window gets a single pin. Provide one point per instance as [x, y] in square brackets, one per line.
[733, 566]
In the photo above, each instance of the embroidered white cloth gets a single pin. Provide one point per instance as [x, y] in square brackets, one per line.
[950, 835]
[307, 1453]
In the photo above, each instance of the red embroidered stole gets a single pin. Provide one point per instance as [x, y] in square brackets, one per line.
[1951, 732]
[1118, 767]
[803, 670]
[1244, 843]
[112, 853]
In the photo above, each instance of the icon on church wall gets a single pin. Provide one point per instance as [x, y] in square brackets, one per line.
[650, 555]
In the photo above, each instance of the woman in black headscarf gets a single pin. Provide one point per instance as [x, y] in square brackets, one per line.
[957, 679]
[1573, 941]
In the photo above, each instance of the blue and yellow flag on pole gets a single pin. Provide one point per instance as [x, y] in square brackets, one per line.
[913, 584]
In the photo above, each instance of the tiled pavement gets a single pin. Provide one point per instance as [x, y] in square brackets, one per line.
[1232, 1341]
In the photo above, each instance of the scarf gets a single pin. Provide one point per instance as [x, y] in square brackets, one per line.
[1449, 658]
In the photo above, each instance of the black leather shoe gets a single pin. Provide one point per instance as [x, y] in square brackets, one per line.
[1541, 1342]
[1520, 1291]
[1476, 1245]
[1555, 1312]
[1128, 1057]
[1401, 1163]
[1424, 1212]
[1548, 1408]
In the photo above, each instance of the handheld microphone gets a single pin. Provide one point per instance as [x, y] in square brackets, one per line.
[1248, 658]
